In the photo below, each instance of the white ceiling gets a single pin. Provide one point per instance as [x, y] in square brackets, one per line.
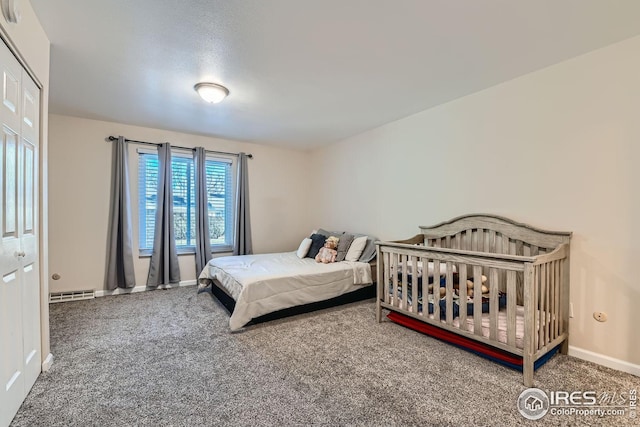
[303, 73]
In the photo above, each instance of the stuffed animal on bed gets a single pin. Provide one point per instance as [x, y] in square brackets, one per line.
[328, 252]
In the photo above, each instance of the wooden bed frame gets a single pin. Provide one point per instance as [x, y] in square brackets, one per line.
[529, 265]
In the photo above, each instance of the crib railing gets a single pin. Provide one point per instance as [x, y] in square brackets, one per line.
[540, 280]
[400, 290]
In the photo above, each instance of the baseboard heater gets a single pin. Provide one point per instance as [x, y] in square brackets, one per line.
[71, 296]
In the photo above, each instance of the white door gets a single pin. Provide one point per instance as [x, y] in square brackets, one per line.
[19, 275]
[28, 215]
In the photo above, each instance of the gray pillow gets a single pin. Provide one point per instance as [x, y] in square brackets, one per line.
[330, 233]
[369, 251]
[343, 246]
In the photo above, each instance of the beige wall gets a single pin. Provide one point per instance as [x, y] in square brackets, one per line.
[557, 149]
[30, 44]
[80, 173]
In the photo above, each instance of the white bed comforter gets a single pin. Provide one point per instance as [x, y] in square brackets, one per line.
[262, 284]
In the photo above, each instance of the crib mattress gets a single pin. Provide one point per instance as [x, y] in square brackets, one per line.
[502, 324]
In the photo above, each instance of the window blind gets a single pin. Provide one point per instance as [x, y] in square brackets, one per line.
[220, 200]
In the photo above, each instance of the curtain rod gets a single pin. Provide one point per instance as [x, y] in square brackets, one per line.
[115, 138]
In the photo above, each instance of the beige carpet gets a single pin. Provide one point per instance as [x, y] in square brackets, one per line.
[167, 358]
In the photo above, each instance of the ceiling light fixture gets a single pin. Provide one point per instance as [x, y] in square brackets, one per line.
[211, 92]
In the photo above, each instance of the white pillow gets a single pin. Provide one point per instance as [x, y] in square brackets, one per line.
[304, 247]
[356, 248]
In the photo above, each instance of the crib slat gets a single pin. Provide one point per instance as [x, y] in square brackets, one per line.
[513, 250]
[425, 286]
[474, 240]
[436, 289]
[394, 279]
[491, 242]
[536, 306]
[405, 291]
[511, 308]
[556, 299]
[564, 299]
[386, 273]
[494, 306]
[529, 323]
[477, 300]
[414, 284]
[462, 294]
[498, 249]
[467, 240]
[547, 310]
[550, 293]
[480, 240]
[542, 271]
[547, 302]
[552, 302]
[449, 283]
[562, 293]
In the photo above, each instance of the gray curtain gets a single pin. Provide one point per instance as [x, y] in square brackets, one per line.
[164, 268]
[242, 229]
[120, 253]
[203, 240]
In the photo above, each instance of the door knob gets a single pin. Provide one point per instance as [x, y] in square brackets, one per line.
[20, 254]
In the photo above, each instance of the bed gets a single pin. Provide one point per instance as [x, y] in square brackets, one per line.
[485, 278]
[259, 285]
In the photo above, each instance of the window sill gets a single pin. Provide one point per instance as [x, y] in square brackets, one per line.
[146, 253]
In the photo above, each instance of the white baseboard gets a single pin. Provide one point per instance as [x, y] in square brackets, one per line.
[48, 361]
[120, 291]
[603, 360]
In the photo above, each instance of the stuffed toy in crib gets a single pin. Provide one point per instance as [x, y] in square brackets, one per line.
[328, 252]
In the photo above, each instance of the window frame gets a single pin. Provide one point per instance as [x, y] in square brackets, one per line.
[182, 153]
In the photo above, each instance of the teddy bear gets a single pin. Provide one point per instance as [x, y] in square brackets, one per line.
[456, 286]
[470, 286]
[328, 252]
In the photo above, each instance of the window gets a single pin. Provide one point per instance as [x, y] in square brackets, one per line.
[220, 201]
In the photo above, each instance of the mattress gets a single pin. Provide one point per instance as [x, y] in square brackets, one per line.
[265, 283]
[502, 324]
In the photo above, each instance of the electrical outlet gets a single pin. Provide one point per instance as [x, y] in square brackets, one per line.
[571, 310]
[600, 316]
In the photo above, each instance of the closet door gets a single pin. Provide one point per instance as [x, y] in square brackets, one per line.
[19, 281]
[28, 223]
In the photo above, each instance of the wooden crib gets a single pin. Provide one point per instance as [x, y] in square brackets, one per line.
[518, 276]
